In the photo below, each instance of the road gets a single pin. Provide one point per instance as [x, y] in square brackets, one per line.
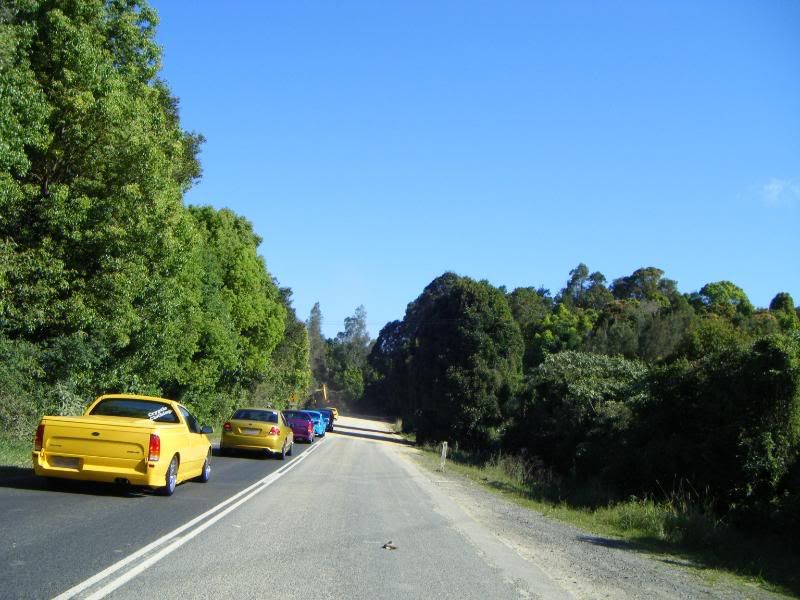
[310, 527]
[52, 540]
[314, 526]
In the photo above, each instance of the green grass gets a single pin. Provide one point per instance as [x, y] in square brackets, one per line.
[673, 527]
[14, 451]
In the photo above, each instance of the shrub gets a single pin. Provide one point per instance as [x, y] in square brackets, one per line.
[729, 422]
[576, 411]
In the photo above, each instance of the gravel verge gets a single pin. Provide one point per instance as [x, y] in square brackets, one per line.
[584, 564]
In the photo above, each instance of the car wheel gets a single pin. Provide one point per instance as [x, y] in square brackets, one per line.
[282, 455]
[291, 447]
[206, 473]
[171, 479]
[311, 439]
[223, 451]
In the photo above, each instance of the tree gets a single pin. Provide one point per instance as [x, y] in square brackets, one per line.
[107, 281]
[723, 298]
[576, 411]
[645, 284]
[347, 357]
[573, 292]
[561, 330]
[288, 379]
[355, 335]
[585, 290]
[240, 285]
[94, 233]
[782, 307]
[529, 306]
[387, 359]
[645, 329]
[317, 346]
[464, 360]
[728, 423]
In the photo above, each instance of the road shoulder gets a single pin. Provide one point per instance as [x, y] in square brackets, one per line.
[581, 564]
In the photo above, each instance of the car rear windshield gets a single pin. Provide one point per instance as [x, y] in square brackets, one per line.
[297, 415]
[139, 409]
[266, 416]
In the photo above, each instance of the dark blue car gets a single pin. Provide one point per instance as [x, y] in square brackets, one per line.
[328, 414]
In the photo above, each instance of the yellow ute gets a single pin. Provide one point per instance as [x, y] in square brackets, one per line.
[127, 439]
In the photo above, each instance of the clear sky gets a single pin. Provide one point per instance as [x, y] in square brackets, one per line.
[376, 145]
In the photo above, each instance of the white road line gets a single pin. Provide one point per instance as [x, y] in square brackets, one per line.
[251, 491]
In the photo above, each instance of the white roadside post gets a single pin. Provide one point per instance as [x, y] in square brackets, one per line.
[444, 456]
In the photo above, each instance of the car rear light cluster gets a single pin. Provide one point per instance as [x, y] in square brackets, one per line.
[274, 431]
[155, 448]
[37, 443]
[227, 427]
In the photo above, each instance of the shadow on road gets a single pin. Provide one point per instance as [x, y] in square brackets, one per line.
[387, 437]
[381, 431]
[24, 479]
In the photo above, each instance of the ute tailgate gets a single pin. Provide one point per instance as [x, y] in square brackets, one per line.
[96, 442]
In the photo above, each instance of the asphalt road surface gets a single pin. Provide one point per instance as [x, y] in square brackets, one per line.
[311, 527]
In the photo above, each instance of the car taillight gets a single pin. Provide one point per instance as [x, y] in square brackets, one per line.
[155, 448]
[274, 431]
[37, 444]
[227, 427]
[310, 427]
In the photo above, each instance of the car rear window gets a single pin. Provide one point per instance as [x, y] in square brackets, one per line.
[267, 416]
[297, 416]
[139, 409]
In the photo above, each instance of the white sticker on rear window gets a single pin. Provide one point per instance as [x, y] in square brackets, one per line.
[157, 414]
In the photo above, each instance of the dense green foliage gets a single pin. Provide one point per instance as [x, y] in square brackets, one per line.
[576, 412]
[462, 357]
[634, 386]
[107, 281]
[340, 363]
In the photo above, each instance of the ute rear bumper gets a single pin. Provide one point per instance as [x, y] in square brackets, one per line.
[272, 443]
[92, 468]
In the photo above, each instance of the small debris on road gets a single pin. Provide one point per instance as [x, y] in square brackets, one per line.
[389, 546]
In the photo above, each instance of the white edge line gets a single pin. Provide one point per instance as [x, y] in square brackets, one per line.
[75, 590]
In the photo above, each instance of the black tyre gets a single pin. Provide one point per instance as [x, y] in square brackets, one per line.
[291, 447]
[171, 478]
[282, 455]
[206, 474]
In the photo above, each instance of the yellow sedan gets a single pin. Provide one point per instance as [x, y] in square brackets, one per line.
[258, 429]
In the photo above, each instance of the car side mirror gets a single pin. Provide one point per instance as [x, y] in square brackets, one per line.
[206, 429]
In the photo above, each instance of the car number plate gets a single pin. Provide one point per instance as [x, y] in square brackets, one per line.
[249, 431]
[65, 462]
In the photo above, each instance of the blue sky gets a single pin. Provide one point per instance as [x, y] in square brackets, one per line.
[375, 145]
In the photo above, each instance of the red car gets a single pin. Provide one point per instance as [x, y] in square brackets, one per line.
[301, 424]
